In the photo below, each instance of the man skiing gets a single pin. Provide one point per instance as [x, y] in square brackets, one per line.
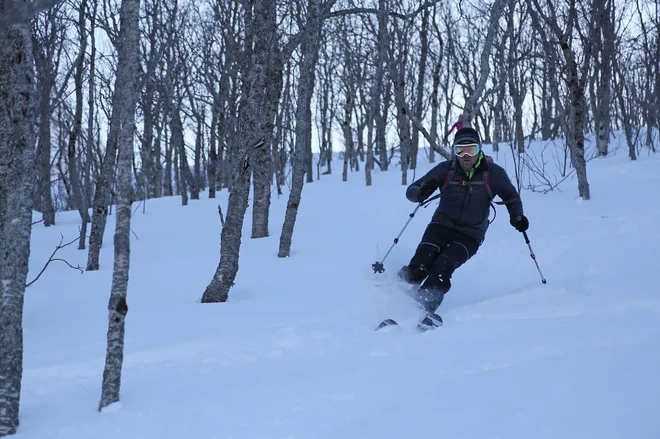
[468, 183]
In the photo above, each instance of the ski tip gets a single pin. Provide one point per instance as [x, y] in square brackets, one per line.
[430, 322]
[385, 323]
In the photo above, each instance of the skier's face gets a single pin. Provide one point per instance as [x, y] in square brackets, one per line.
[467, 162]
[468, 154]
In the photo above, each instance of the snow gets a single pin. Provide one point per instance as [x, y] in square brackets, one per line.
[293, 353]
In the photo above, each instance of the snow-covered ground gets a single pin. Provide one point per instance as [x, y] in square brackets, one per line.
[294, 354]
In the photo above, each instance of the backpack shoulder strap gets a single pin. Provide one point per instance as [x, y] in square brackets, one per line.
[489, 187]
[450, 174]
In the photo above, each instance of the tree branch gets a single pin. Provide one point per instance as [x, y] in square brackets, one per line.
[222, 218]
[351, 11]
[426, 134]
[343, 12]
[52, 258]
[20, 12]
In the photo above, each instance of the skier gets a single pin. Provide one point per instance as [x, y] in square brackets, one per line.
[457, 126]
[468, 183]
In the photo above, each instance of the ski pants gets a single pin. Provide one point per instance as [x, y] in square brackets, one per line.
[441, 251]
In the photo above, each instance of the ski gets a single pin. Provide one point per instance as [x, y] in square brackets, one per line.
[385, 323]
[429, 322]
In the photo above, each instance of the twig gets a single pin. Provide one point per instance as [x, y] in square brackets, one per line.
[52, 258]
[77, 267]
[37, 222]
[136, 208]
[222, 218]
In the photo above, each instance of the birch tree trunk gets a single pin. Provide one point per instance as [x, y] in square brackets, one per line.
[46, 78]
[74, 173]
[501, 71]
[347, 130]
[380, 111]
[621, 90]
[123, 101]
[547, 99]
[198, 182]
[126, 91]
[419, 98]
[167, 175]
[574, 82]
[434, 107]
[369, 164]
[213, 156]
[398, 75]
[263, 164]
[516, 81]
[91, 103]
[577, 94]
[251, 120]
[17, 173]
[604, 93]
[148, 178]
[472, 103]
[309, 54]
[323, 113]
[178, 145]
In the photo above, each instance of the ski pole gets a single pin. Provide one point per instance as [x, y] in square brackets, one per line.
[531, 253]
[378, 266]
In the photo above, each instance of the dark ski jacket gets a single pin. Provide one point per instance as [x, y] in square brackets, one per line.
[465, 201]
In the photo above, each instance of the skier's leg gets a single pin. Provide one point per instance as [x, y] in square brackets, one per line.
[428, 249]
[438, 282]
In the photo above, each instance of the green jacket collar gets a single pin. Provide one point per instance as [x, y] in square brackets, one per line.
[470, 173]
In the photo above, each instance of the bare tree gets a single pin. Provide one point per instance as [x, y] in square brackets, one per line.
[398, 69]
[327, 65]
[76, 129]
[517, 84]
[604, 48]
[349, 83]
[309, 53]
[251, 119]
[48, 42]
[379, 108]
[475, 99]
[17, 118]
[126, 92]
[105, 178]
[420, 91]
[575, 77]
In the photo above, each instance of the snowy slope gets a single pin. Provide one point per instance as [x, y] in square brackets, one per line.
[293, 353]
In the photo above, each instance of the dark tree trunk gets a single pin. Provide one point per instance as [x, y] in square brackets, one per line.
[17, 173]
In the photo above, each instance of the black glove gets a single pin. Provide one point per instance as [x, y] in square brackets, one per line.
[418, 194]
[521, 223]
[427, 188]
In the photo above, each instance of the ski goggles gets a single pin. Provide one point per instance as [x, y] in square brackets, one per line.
[470, 149]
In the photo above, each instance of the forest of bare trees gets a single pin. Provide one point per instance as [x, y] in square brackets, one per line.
[105, 104]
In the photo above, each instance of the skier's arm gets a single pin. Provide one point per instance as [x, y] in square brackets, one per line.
[421, 189]
[503, 187]
[450, 130]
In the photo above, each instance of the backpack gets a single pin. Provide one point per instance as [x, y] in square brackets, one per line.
[484, 180]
